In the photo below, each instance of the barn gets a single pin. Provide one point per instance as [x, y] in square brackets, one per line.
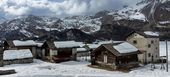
[115, 56]
[59, 51]
[18, 44]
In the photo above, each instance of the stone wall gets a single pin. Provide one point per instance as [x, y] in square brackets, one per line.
[18, 61]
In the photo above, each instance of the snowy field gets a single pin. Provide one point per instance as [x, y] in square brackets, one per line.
[80, 69]
[77, 69]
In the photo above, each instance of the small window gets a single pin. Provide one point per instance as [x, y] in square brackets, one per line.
[105, 58]
[152, 42]
[134, 42]
[149, 54]
[149, 45]
[156, 47]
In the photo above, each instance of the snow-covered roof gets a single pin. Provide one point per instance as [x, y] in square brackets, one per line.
[107, 42]
[151, 33]
[81, 49]
[93, 46]
[24, 43]
[39, 44]
[125, 47]
[17, 54]
[68, 44]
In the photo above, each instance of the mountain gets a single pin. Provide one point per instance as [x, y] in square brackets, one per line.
[107, 24]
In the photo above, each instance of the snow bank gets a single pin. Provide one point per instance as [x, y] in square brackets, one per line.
[17, 54]
[125, 48]
[68, 44]
[151, 33]
[24, 43]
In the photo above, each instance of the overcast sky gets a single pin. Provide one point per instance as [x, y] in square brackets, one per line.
[58, 8]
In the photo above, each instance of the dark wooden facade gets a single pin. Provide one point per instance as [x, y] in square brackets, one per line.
[115, 60]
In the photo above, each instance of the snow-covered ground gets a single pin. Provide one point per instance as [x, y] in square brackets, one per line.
[77, 69]
[80, 69]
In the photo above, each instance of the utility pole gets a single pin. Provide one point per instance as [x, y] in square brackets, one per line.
[166, 55]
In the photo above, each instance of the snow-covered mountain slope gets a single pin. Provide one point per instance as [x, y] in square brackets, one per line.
[131, 16]
[130, 12]
[84, 23]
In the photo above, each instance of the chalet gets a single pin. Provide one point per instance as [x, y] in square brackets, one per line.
[148, 43]
[115, 56]
[17, 44]
[59, 51]
[17, 56]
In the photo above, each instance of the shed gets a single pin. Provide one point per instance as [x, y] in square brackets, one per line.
[18, 44]
[58, 51]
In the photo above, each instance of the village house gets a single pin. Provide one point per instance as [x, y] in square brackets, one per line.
[115, 56]
[59, 51]
[17, 56]
[148, 43]
[17, 44]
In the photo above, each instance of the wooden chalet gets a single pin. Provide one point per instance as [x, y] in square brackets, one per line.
[59, 51]
[17, 44]
[115, 56]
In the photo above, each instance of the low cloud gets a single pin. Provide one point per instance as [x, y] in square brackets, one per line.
[59, 7]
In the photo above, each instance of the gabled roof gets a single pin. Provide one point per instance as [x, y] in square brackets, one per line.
[146, 34]
[64, 44]
[17, 54]
[14, 43]
[119, 49]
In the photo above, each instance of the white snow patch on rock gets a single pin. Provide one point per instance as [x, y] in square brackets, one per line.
[151, 33]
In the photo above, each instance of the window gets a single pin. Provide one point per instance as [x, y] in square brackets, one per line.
[149, 54]
[134, 42]
[156, 47]
[149, 45]
[105, 58]
[152, 42]
[156, 56]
